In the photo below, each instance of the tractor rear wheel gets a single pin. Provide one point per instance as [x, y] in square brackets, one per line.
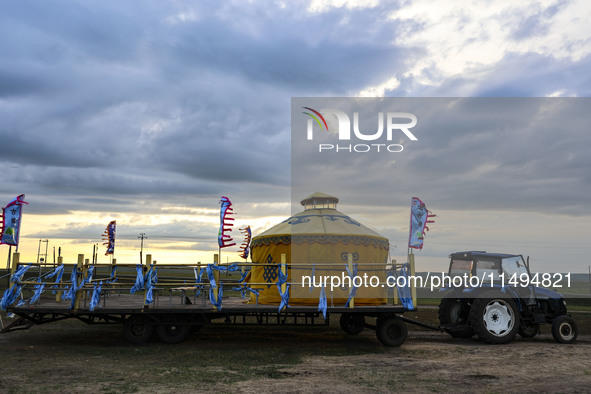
[494, 320]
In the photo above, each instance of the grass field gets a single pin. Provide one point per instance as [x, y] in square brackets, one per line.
[69, 356]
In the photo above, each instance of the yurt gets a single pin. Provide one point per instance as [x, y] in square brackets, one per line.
[317, 242]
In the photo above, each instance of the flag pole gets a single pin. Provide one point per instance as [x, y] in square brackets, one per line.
[9, 254]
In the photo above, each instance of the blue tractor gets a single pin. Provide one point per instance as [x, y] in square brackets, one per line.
[494, 296]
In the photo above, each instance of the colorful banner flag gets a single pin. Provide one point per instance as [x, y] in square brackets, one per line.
[245, 247]
[419, 217]
[11, 221]
[225, 224]
[109, 237]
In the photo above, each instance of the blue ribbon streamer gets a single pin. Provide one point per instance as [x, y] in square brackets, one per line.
[38, 290]
[198, 278]
[218, 303]
[209, 269]
[96, 296]
[352, 275]
[11, 294]
[139, 279]
[71, 295]
[58, 272]
[225, 268]
[244, 288]
[150, 279]
[322, 305]
[284, 295]
[113, 273]
[244, 275]
[89, 274]
[18, 274]
[404, 291]
[71, 290]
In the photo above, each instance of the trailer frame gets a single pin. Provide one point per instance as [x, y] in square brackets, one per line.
[172, 322]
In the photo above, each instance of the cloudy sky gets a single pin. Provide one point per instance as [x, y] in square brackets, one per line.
[148, 112]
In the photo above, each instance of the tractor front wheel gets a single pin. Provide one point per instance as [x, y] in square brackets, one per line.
[564, 329]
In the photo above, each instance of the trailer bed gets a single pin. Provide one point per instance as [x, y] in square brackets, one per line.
[174, 313]
[168, 301]
[129, 303]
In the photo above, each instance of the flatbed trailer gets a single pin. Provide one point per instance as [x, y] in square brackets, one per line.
[176, 308]
[173, 323]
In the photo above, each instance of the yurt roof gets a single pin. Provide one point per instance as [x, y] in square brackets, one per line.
[320, 217]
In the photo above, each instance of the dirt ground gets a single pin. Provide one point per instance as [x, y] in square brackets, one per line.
[69, 356]
[428, 364]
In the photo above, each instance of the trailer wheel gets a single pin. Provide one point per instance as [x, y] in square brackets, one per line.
[495, 320]
[137, 330]
[564, 329]
[173, 332]
[391, 331]
[352, 323]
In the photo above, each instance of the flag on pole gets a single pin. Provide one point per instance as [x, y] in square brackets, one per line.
[419, 217]
[225, 224]
[245, 247]
[109, 237]
[11, 221]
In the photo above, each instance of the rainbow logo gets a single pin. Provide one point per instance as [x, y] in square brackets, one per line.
[315, 118]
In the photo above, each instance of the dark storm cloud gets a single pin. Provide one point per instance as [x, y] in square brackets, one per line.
[116, 99]
[107, 103]
[474, 153]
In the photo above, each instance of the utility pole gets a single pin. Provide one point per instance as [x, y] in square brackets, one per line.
[142, 237]
[42, 260]
[42, 257]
